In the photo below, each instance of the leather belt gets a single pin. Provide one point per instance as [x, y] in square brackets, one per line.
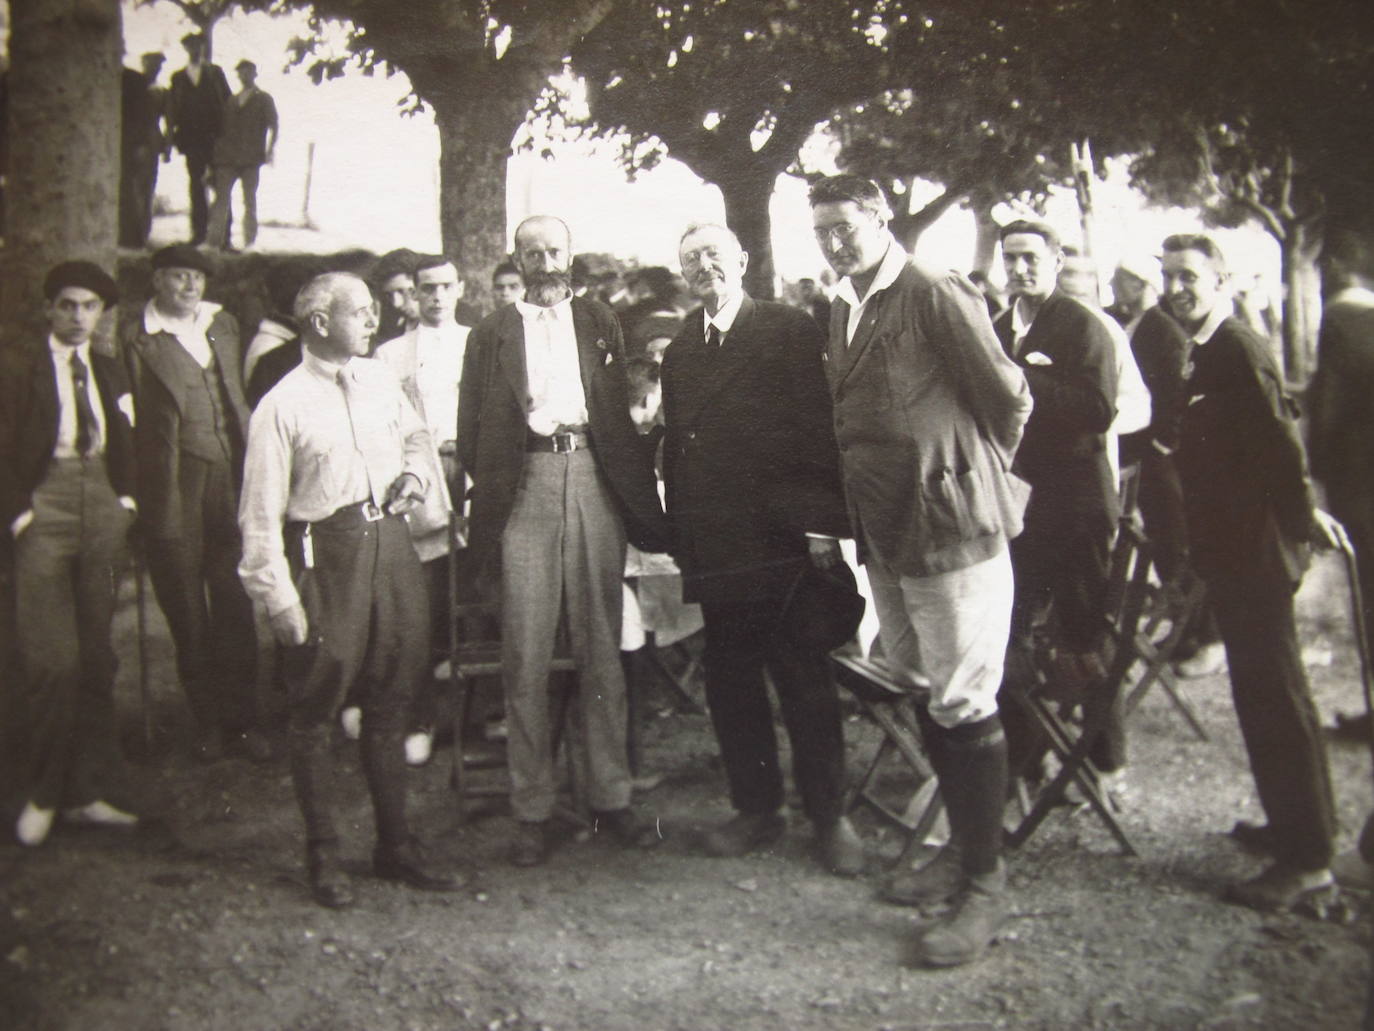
[351, 515]
[558, 443]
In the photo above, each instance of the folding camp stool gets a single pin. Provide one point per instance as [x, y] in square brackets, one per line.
[888, 703]
[1177, 605]
[1072, 742]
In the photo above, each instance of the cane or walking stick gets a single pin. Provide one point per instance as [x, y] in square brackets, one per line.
[1347, 551]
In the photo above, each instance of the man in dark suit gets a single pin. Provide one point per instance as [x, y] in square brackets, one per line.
[142, 110]
[560, 479]
[1061, 557]
[1250, 520]
[66, 502]
[1342, 421]
[184, 355]
[196, 102]
[753, 481]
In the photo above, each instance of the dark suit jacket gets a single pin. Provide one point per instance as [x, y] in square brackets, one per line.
[492, 406]
[1244, 472]
[196, 111]
[158, 433]
[1068, 360]
[750, 460]
[1161, 349]
[28, 424]
[1342, 413]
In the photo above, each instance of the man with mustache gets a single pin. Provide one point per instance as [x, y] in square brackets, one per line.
[753, 480]
[184, 355]
[928, 413]
[560, 480]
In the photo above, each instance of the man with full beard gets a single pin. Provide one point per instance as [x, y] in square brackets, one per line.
[560, 480]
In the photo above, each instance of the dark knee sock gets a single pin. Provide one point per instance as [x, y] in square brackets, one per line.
[383, 757]
[973, 781]
[308, 749]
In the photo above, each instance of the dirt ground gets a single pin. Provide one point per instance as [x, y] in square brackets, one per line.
[201, 918]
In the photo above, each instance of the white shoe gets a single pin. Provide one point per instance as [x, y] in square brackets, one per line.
[352, 720]
[1210, 659]
[419, 747]
[99, 814]
[34, 825]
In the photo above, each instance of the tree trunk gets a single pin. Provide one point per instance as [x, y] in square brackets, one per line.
[474, 146]
[1301, 300]
[747, 197]
[985, 242]
[63, 125]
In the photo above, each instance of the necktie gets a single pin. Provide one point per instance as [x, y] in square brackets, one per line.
[85, 415]
[376, 477]
[713, 339]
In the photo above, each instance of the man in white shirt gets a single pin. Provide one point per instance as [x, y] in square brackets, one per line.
[185, 362]
[560, 480]
[428, 360]
[66, 486]
[336, 457]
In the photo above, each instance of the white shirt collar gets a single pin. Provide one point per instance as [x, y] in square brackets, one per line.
[888, 270]
[725, 318]
[65, 351]
[1209, 326]
[155, 321]
[560, 312]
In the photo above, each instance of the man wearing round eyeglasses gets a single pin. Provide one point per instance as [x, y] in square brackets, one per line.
[928, 414]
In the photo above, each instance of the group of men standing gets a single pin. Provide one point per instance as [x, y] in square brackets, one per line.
[225, 137]
[967, 459]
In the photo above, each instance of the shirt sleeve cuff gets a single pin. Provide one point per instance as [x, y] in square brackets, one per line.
[20, 522]
[821, 536]
[128, 502]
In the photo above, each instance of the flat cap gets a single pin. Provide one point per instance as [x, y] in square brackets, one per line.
[182, 255]
[85, 274]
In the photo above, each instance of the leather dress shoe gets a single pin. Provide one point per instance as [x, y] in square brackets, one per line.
[531, 846]
[627, 827]
[928, 885]
[743, 833]
[329, 885]
[1278, 887]
[408, 864]
[841, 850]
[99, 814]
[33, 825]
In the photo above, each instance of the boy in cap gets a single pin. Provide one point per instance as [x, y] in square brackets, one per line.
[66, 504]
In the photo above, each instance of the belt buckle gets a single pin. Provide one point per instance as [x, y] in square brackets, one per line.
[564, 443]
[371, 513]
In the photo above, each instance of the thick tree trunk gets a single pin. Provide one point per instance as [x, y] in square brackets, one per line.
[62, 188]
[1301, 300]
[474, 146]
[747, 197]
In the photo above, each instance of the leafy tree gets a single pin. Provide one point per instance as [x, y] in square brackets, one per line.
[733, 88]
[479, 65]
[204, 14]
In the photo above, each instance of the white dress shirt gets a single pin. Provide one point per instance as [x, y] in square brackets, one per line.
[191, 332]
[723, 319]
[888, 270]
[428, 360]
[66, 399]
[302, 462]
[557, 400]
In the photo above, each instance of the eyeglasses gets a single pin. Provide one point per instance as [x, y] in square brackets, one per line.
[844, 233]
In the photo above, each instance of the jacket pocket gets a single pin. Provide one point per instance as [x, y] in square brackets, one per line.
[959, 506]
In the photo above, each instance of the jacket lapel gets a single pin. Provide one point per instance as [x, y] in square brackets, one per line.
[591, 349]
[153, 351]
[844, 359]
[510, 355]
[710, 372]
[45, 393]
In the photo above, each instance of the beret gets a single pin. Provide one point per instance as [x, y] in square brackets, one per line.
[85, 274]
[182, 255]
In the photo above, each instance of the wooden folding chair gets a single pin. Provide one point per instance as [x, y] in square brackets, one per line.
[888, 704]
[1176, 604]
[1070, 740]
